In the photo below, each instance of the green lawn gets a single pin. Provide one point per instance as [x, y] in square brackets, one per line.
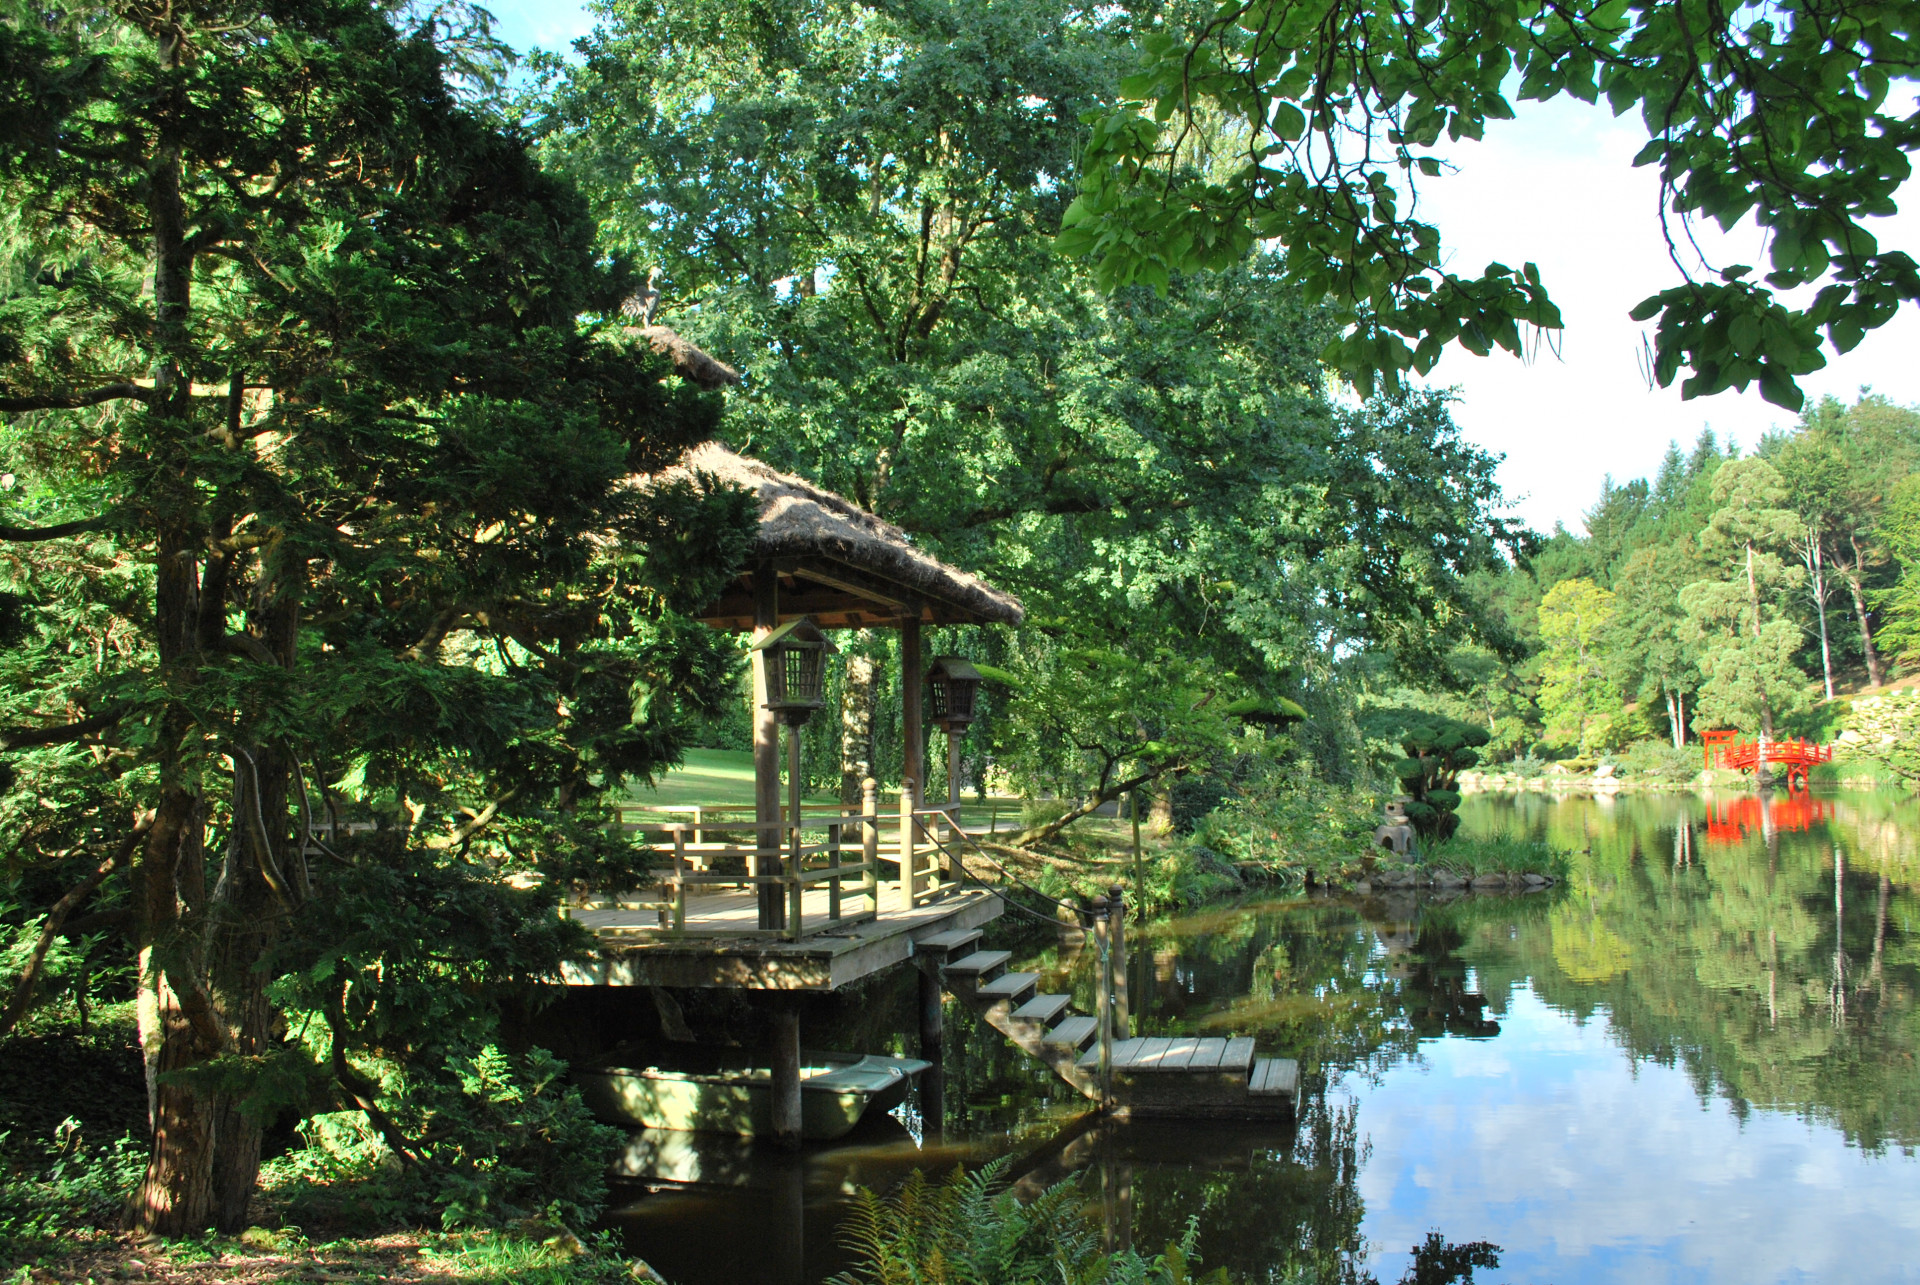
[726, 776]
[708, 777]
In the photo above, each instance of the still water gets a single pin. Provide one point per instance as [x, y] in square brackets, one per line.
[1695, 1060]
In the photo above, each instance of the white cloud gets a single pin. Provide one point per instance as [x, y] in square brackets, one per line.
[1584, 1167]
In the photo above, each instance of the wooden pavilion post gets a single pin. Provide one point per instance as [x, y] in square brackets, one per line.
[766, 755]
[912, 686]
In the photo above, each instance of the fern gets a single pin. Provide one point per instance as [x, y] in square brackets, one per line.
[971, 1230]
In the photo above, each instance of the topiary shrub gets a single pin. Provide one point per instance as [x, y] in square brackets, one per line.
[1437, 750]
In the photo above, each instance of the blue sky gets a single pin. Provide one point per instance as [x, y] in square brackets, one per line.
[1555, 187]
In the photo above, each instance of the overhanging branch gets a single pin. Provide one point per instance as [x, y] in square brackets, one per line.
[74, 401]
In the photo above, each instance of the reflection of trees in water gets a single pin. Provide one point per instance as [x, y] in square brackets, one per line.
[1777, 972]
[1267, 1205]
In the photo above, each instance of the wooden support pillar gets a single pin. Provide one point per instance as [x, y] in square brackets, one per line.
[1117, 931]
[933, 1094]
[785, 1067]
[766, 754]
[912, 685]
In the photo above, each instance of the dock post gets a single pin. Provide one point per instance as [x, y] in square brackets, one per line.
[909, 876]
[870, 842]
[767, 848]
[785, 1069]
[1117, 932]
[933, 1094]
[1103, 997]
[679, 880]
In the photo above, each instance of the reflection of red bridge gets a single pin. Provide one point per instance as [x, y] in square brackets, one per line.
[1736, 819]
[1792, 757]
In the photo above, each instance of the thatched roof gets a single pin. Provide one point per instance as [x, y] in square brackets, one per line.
[837, 563]
[703, 369]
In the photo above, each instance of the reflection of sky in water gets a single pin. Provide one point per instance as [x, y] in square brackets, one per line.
[1584, 1165]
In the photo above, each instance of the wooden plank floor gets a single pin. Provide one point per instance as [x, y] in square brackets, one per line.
[737, 910]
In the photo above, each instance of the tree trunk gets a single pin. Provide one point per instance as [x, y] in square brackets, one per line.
[1817, 582]
[1673, 718]
[1160, 810]
[856, 726]
[1876, 675]
[175, 1197]
[1761, 776]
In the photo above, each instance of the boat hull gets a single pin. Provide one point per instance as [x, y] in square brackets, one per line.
[834, 1094]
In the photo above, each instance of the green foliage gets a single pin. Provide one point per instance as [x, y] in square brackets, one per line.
[1235, 129]
[1154, 475]
[63, 1183]
[1899, 530]
[1285, 822]
[505, 1139]
[1498, 852]
[970, 1230]
[1576, 696]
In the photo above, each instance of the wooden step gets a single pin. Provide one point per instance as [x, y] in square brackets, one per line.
[947, 943]
[1008, 986]
[1274, 1077]
[981, 965]
[1042, 1010]
[1074, 1033]
[1238, 1056]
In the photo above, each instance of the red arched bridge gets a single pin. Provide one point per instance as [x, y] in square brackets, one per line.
[1795, 758]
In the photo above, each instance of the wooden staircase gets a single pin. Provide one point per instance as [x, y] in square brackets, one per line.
[1172, 1076]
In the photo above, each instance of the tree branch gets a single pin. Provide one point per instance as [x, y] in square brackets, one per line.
[74, 401]
[59, 531]
[21, 738]
[57, 918]
[1092, 803]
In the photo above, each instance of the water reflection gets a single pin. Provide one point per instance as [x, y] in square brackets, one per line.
[1696, 1059]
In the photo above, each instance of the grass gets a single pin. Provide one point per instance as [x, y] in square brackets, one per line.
[1499, 853]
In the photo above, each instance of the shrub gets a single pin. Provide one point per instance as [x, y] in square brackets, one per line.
[506, 1139]
[67, 1184]
[1656, 760]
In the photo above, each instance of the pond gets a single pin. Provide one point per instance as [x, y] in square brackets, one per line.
[1693, 1060]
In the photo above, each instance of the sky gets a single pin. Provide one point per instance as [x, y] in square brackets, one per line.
[1555, 187]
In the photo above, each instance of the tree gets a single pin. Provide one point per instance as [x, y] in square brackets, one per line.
[856, 201]
[1747, 643]
[1647, 640]
[1437, 750]
[321, 450]
[1096, 724]
[1839, 464]
[1899, 530]
[1308, 124]
[1576, 692]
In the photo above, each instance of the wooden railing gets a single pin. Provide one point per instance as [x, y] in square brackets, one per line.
[844, 856]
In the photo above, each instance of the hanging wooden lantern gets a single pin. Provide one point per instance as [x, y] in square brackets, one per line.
[955, 683]
[795, 656]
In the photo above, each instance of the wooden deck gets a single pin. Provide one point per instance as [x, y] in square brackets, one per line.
[721, 948]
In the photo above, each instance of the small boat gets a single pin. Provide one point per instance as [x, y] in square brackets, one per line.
[735, 1096]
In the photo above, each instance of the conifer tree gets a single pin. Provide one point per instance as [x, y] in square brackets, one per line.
[307, 420]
